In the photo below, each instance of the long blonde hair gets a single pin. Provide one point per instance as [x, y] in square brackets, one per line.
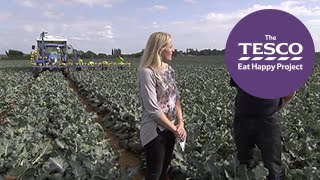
[151, 56]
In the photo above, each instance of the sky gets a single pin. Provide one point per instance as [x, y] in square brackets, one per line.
[100, 25]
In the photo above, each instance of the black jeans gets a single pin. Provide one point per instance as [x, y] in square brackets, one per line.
[159, 154]
[265, 132]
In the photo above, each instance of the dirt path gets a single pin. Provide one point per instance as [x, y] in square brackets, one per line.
[126, 158]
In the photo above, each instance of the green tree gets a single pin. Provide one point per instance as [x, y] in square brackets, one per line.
[101, 56]
[14, 53]
[88, 55]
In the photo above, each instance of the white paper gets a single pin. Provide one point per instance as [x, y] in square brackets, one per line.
[183, 143]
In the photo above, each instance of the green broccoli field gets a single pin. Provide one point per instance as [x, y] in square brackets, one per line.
[48, 134]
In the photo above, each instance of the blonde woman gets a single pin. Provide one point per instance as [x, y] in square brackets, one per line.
[162, 119]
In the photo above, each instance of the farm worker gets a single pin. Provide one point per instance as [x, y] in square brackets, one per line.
[120, 59]
[65, 58]
[32, 56]
[53, 58]
[256, 123]
[58, 54]
[162, 119]
[38, 54]
[80, 62]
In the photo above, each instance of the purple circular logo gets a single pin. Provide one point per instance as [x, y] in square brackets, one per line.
[270, 54]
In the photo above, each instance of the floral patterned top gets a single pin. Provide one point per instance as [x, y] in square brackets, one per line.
[157, 94]
[167, 93]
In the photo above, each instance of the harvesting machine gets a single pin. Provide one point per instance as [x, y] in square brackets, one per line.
[53, 53]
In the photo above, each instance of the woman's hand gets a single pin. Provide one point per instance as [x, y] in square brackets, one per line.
[180, 131]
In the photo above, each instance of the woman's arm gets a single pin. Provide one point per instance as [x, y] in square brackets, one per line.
[180, 126]
[165, 122]
[180, 119]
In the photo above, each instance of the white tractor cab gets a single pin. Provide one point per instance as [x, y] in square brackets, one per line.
[51, 50]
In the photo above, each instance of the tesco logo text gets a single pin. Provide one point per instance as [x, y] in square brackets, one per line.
[272, 48]
[271, 51]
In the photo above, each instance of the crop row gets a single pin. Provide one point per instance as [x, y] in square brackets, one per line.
[47, 133]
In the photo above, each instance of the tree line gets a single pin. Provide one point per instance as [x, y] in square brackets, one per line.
[16, 54]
